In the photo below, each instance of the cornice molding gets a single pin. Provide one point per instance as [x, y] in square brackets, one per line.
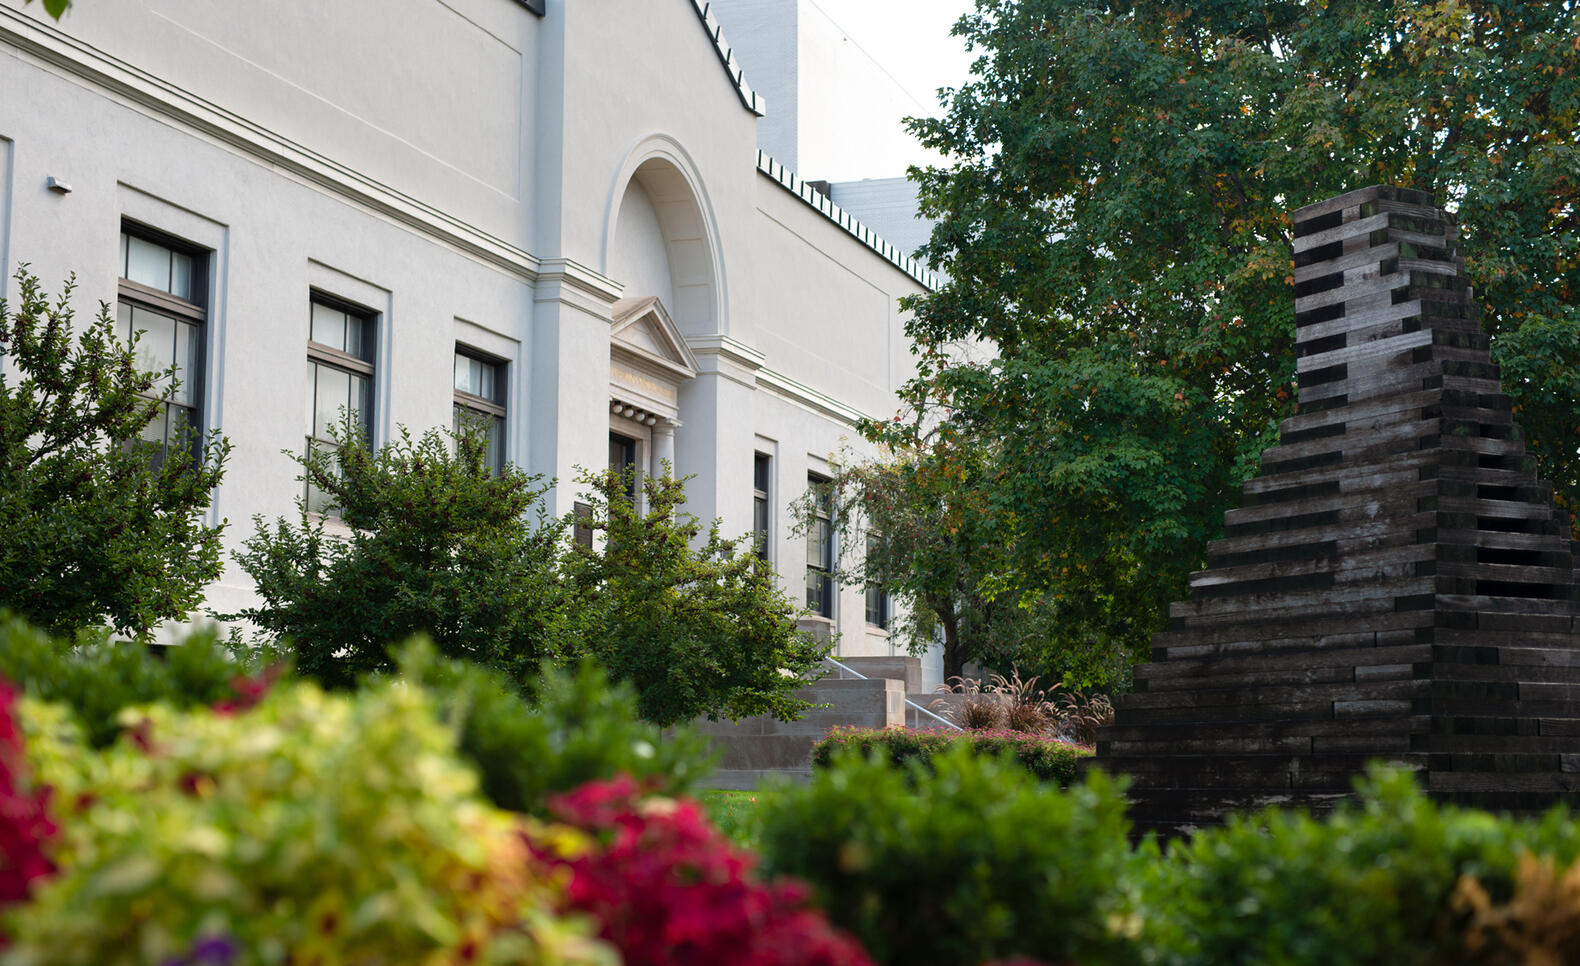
[87, 63]
[807, 397]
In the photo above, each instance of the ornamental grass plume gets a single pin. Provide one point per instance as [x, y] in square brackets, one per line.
[669, 890]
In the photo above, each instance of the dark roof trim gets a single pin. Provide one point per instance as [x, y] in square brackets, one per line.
[793, 183]
[536, 6]
[749, 98]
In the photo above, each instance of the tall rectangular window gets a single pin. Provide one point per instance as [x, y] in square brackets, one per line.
[877, 594]
[762, 477]
[622, 459]
[161, 295]
[339, 379]
[820, 550]
[480, 401]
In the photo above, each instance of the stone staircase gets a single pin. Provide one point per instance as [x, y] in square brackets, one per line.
[752, 748]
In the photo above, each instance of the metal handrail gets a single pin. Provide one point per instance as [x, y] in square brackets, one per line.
[939, 718]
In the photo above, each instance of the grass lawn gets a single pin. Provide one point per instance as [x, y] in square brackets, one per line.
[733, 813]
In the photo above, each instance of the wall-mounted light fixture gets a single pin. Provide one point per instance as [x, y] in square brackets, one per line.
[58, 186]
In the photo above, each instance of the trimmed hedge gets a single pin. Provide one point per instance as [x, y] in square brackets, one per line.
[1046, 759]
[971, 858]
[962, 860]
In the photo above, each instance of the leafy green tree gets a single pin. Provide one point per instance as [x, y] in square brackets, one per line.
[93, 529]
[433, 541]
[918, 524]
[1114, 224]
[693, 621]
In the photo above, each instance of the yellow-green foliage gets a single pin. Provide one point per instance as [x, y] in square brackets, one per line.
[313, 828]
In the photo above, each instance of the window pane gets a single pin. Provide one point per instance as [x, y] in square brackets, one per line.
[186, 358]
[760, 472]
[154, 432]
[359, 403]
[148, 263]
[123, 321]
[181, 276]
[181, 420]
[156, 350]
[312, 392]
[317, 500]
[333, 396]
[329, 327]
[496, 443]
[354, 333]
[475, 376]
[125, 239]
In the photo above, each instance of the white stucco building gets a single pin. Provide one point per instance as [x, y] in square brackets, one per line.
[557, 217]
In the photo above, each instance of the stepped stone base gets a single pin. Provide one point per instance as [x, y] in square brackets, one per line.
[1397, 584]
[755, 747]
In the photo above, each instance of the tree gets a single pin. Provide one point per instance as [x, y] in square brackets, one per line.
[1115, 226]
[698, 628]
[93, 529]
[433, 541]
[917, 525]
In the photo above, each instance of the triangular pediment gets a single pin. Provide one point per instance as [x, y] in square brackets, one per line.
[643, 328]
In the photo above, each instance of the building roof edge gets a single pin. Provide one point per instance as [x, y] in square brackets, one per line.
[750, 99]
[794, 184]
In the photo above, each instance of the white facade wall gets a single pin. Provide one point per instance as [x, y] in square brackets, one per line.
[472, 174]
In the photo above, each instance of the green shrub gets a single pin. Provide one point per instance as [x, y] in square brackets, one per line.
[694, 622]
[1371, 883]
[1048, 760]
[312, 828]
[98, 525]
[967, 861]
[97, 677]
[570, 726]
[440, 544]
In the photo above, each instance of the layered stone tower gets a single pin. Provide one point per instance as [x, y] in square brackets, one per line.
[1396, 585]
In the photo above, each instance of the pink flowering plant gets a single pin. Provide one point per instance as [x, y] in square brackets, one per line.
[669, 890]
[26, 828]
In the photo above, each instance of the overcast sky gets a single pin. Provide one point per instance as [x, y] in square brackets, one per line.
[910, 39]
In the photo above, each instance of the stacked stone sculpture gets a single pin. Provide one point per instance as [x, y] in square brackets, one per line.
[1397, 585]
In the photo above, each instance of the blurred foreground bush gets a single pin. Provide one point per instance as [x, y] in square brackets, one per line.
[312, 828]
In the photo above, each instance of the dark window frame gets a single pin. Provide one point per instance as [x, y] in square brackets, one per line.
[821, 592]
[482, 406]
[632, 461]
[879, 609]
[762, 503]
[363, 365]
[192, 313]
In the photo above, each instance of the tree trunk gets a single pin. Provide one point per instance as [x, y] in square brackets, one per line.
[954, 654]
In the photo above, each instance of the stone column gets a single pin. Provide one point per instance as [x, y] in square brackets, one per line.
[664, 446]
